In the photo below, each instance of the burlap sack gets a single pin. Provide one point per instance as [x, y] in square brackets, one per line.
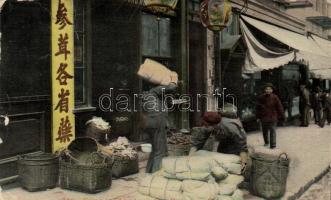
[188, 167]
[232, 180]
[199, 190]
[220, 158]
[219, 173]
[227, 189]
[157, 73]
[161, 188]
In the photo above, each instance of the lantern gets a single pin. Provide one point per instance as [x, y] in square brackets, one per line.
[160, 6]
[215, 14]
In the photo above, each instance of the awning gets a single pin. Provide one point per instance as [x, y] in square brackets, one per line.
[260, 58]
[315, 51]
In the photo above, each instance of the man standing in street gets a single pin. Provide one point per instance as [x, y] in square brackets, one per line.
[269, 111]
[304, 105]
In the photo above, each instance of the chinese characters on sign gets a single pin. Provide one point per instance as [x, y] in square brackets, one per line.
[63, 121]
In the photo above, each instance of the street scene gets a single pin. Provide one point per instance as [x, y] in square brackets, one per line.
[165, 100]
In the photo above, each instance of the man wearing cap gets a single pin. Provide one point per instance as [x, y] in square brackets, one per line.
[228, 131]
[269, 111]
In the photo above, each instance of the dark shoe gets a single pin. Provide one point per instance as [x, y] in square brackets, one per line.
[272, 147]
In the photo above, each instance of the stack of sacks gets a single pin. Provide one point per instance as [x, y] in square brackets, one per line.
[161, 188]
[205, 175]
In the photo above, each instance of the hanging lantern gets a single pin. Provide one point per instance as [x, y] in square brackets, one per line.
[215, 14]
[160, 6]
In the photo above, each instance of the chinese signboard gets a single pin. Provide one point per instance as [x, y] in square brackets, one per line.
[63, 121]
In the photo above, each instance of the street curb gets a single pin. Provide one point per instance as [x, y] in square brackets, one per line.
[303, 189]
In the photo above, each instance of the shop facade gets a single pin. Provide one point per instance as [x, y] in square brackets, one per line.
[112, 39]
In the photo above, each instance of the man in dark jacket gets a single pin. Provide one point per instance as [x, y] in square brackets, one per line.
[228, 131]
[154, 124]
[269, 111]
[304, 105]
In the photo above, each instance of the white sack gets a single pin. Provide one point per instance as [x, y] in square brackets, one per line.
[198, 190]
[157, 73]
[227, 189]
[161, 188]
[224, 197]
[220, 158]
[188, 167]
[232, 180]
[219, 173]
[232, 168]
[238, 195]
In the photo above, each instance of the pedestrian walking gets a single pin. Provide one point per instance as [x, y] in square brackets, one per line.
[269, 111]
[326, 108]
[304, 105]
[316, 103]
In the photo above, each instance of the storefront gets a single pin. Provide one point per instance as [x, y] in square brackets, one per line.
[112, 39]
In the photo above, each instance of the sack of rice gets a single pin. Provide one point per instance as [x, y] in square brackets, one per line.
[198, 190]
[219, 173]
[232, 168]
[160, 188]
[157, 73]
[232, 179]
[224, 197]
[188, 167]
[238, 195]
[220, 158]
[227, 189]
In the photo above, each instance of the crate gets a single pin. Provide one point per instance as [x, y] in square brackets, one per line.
[38, 172]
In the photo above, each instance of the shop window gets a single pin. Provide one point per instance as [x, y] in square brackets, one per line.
[156, 36]
[80, 53]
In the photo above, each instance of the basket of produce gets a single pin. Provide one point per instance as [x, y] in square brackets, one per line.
[179, 144]
[38, 171]
[98, 129]
[83, 167]
[125, 158]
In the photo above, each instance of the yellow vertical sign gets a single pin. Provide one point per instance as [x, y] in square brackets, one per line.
[63, 120]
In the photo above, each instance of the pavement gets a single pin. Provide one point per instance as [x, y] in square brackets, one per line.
[309, 150]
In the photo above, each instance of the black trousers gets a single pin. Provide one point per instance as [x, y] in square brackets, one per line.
[158, 136]
[269, 127]
[304, 115]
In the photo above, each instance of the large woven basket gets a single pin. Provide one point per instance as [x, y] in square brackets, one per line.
[124, 166]
[84, 168]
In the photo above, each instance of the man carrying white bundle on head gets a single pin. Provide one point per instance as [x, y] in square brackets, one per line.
[155, 113]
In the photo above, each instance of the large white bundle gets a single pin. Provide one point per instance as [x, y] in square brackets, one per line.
[199, 190]
[238, 195]
[188, 167]
[161, 188]
[220, 158]
[224, 197]
[157, 73]
[227, 189]
[232, 179]
[219, 173]
[232, 168]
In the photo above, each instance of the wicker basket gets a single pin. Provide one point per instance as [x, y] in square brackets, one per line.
[85, 178]
[84, 168]
[124, 166]
[38, 172]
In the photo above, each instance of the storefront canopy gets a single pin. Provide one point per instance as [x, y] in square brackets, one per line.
[314, 50]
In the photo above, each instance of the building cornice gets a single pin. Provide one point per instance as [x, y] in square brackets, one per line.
[271, 15]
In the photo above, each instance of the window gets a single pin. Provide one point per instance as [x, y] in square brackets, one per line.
[80, 53]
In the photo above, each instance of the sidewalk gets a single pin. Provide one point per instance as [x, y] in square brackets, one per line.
[309, 149]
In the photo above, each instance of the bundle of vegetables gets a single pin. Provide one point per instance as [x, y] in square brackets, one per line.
[179, 138]
[121, 148]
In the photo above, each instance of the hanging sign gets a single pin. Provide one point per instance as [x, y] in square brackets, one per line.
[63, 120]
